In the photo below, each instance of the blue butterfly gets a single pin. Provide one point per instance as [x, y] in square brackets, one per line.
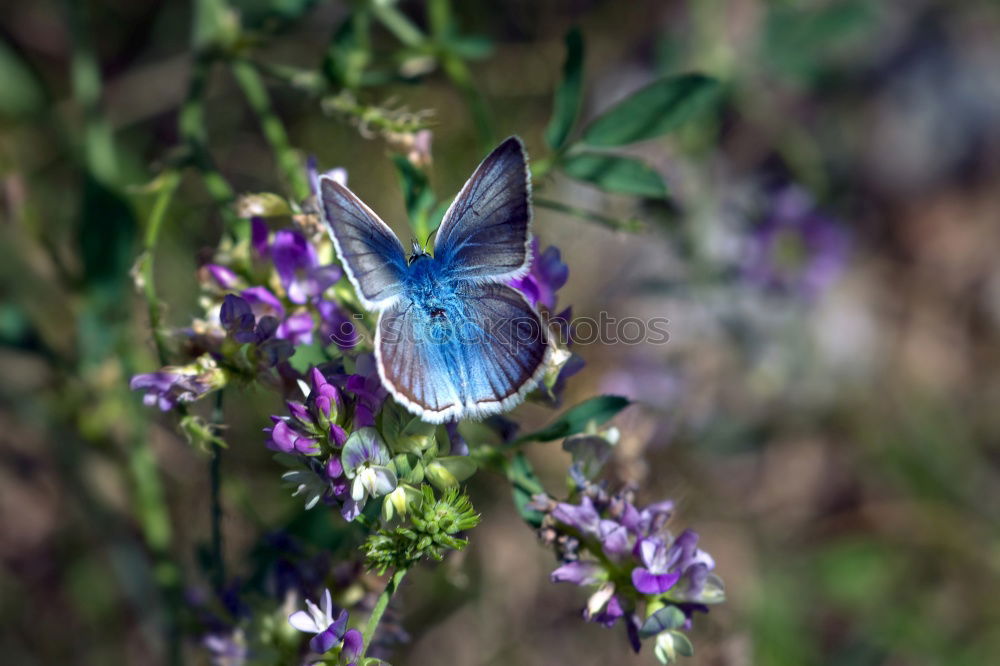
[453, 340]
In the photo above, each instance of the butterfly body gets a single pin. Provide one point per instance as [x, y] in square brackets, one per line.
[453, 341]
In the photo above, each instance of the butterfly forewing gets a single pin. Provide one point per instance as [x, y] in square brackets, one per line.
[367, 247]
[484, 235]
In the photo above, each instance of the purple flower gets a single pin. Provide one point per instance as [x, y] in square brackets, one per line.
[545, 277]
[237, 318]
[367, 389]
[796, 248]
[297, 329]
[286, 440]
[329, 631]
[295, 260]
[583, 516]
[311, 423]
[579, 573]
[655, 576]
[335, 325]
[259, 237]
[263, 303]
[664, 566]
[168, 388]
[223, 276]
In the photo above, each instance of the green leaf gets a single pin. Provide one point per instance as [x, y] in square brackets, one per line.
[798, 41]
[657, 109]
[306, 356]
[525, 484]
[418, 195]
[593, 412]
[569, 93]
[616, 174]
[21, 94]
[668, 617]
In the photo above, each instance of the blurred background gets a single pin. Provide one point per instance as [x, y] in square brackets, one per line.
[825, 411]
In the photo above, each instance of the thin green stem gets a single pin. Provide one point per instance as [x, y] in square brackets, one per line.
[380, 605]
[98, 142]
[215, 478]
[191, 125]
[255, 91]
[398, 24]
[593, 216]
[171, 179]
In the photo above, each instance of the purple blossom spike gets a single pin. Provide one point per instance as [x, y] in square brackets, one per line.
[168, 388]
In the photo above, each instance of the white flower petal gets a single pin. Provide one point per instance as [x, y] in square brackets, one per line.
[302, 621]
[358, 489]
[327, 607]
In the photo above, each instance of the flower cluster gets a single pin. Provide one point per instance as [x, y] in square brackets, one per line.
[641, 572]
[431, 532]
[643, 575]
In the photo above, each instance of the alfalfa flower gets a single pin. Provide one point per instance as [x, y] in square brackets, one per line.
[330, 632]
[365, 460]
[177, 385]
[547, 275]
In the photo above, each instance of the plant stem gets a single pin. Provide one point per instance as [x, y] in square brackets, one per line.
[215, 478]
[191, 125]
[604, 220]
[171, 179]
[380, 605]
[253, 88]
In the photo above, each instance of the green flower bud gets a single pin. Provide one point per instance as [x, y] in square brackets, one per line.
[449, 471]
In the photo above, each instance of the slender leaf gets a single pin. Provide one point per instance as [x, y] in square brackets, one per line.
[569, 93]
[21, 93]
[657, 109]
[616, 174]
[595, 411]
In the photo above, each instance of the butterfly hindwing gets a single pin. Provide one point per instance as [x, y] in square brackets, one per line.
[475, 355]
[367, 247]
[484, 235]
